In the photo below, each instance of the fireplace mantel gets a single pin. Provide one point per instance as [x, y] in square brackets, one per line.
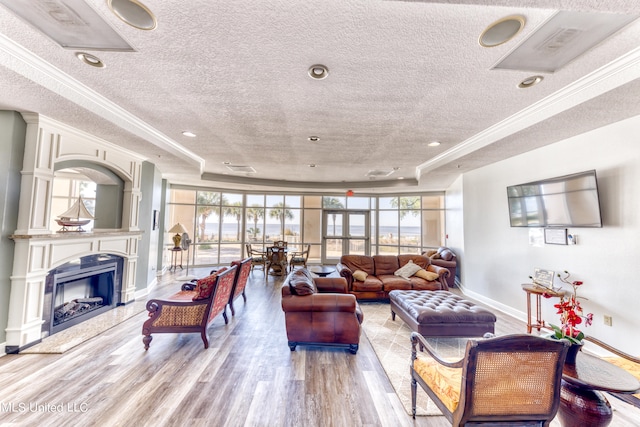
[38, 249]
[36, 255]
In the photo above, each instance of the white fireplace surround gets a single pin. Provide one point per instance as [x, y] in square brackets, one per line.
[39, 249]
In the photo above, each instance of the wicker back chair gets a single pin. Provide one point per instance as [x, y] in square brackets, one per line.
[180, 313]
[511, 380]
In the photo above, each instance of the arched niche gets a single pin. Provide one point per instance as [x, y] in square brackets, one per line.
[109, 190]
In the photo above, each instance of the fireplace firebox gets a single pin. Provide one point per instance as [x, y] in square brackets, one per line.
[80, 290]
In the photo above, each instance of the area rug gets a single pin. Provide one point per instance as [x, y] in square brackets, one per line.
[75, 335]
[391, 342]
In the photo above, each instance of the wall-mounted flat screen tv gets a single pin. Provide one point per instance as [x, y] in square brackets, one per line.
[565, 201]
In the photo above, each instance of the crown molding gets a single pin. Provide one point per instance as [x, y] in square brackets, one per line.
[29, 65]
[241, 180]
[617, 73]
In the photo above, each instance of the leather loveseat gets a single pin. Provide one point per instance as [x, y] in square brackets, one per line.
[320, 311]
[373, 277]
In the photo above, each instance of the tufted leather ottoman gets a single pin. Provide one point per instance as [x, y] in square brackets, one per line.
[441, 314]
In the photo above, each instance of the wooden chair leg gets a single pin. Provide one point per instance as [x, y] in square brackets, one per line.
[146, 340]
[414, 395]
[205, 340]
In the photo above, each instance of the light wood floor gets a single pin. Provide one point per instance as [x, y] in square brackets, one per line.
[248, 377]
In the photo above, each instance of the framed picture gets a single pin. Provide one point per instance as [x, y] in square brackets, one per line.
[555, 236]
[543, 277]
[156, 215]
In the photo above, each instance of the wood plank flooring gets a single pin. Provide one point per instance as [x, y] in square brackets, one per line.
[248, 377]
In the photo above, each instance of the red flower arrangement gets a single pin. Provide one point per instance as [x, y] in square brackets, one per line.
[571, 313]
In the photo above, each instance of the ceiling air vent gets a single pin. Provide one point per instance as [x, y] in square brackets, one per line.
[73, 24]
[243, 169]
[564, 37]
[379, 173]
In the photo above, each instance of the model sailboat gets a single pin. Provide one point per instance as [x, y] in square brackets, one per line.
[76, 216]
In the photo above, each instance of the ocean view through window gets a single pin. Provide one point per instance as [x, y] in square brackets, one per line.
[221, 223]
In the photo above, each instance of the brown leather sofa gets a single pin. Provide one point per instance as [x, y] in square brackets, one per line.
[380, 278]
[320, 311]
[444, 257]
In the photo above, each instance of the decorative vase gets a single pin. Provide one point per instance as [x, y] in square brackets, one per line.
[572, 353]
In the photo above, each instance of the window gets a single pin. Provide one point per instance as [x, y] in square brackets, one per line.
[67, 187]
[221, 223]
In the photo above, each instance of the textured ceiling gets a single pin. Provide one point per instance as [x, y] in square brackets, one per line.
[401, 74]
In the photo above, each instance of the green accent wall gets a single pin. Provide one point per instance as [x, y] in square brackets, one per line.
[12, 136]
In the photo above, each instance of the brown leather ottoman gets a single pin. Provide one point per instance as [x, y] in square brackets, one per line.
[441, 314]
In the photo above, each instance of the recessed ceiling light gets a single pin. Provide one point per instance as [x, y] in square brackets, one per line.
[318, 72]
[89, 59]
[314, 138]
[530, 81]
[189, 134]
[134, 13]
[501, 31]
[433, 144]
[312, 165]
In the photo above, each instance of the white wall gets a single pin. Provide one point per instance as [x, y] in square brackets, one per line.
[497, 258]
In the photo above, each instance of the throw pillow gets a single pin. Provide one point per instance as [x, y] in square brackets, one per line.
[407, 270]
[204, 287]
[427, 275]
[430, 253]
[301, 283]
[360, 275]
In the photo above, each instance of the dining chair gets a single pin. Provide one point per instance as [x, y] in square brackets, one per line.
[257, 257]
[280, 244]
[509, 380]
[299, 258]
[276, 260]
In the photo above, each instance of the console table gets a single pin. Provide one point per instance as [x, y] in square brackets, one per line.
[538, 291]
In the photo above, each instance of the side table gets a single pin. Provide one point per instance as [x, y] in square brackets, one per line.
[581, 400]
[321, 270]
[538, 291]
[174, 258]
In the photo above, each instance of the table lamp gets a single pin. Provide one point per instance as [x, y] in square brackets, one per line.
[179, 230]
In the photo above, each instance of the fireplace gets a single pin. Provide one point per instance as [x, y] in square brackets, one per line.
[81, 289]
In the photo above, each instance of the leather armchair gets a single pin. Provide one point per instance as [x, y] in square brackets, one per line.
[320, 311]
[444, 257]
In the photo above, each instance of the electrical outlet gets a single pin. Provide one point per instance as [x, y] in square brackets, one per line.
[608, 321]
